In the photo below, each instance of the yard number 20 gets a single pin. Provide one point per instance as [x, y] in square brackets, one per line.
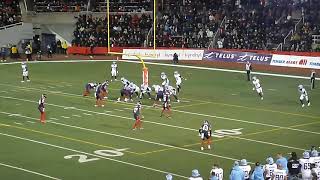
[105, 153]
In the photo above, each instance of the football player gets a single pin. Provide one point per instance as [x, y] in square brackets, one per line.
[269, 168]
[315, 172]
[218, 172]
[279, 173]
[205, 134]
[165, 80]
[137, 116]
[166, 105]
[99, 96]
[245, 168]
[134, 89]
[114, 71]
[41, 108]
[145, 90]
[104, 89]
[88, 87]
[257, 86]
[178, 78]
[173, 92]
[303, 96]
[124, 81]
[125, 93]
[25, 72]
[159, 94]
[305, 163]
[315, 158]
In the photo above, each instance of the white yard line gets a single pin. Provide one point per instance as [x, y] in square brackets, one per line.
[170, 65]
[107, 111]
[66, 117]
[52, 118]
[89, 154]
[76, 115]
[118, 110]
[32, 122]
[87, 114]
[28, 171]
[156, 143]
[18, 123]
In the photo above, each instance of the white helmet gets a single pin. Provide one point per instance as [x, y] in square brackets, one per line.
[176, 72]
[300, 86]
[254, 78]
[114, 62]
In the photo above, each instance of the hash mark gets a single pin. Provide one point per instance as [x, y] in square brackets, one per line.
[87, 114]
[18, 123]
[75, 115]
[66, 117]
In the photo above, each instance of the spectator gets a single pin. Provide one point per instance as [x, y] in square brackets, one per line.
[3, 53]
[64, 47]
[28, 52]
[9, 12]
[236, 172]
[257, 173]
[14, 52]
[195, 175]
[49, 51]
[175, 58]
[293, 167]
[59, 47]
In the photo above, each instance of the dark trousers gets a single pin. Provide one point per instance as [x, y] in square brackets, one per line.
[313, 81]
[248, 75]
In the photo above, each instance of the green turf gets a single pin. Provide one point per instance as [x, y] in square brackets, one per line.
[276, 124]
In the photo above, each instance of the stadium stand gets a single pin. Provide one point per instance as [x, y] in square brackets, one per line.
[9, 12]
[60, 5]
[123, 6]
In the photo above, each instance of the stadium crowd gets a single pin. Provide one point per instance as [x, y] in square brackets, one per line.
[60, 5]
[9, 12]
[305, 167]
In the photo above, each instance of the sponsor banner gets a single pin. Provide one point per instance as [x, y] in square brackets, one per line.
[296, 61]
[233, 56]
[163, 54]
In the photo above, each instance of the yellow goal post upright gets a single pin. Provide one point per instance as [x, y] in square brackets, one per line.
[145, 71]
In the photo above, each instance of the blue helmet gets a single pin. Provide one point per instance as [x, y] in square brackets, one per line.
[270, 160]
[306, 155]
[314, 153]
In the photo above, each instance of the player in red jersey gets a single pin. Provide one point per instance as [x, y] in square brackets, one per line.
[42, 108]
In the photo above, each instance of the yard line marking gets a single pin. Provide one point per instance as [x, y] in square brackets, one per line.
[223, 104]
[185, 112]
[52, 118]
[29, 171]
[4, 91]
[131, 138]
[31, 122]
[196, 104]
[118, 110]
[67, 138]
[107, 111]
[18, 123]
[76, 115]
[95, 155]
[66, 117]
[51, 87]
[87, 114]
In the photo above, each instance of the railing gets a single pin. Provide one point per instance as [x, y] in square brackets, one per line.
[149, 35]
[217, 34]
[11, 25]
[288, 35]
[279, 47]
[298, 24]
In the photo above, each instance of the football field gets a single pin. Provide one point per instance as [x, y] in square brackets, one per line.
[80, 141]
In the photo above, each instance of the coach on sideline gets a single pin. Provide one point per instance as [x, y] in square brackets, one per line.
[248, 69]
[313, 79]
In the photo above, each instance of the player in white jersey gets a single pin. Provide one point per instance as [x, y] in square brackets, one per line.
[315, 173]
[315, 158]
[305, 163]
[173, 92]
[245, 168]
[114, 71]
[269, 168]
[257, 86]
[134, 88]
[125, 82]
[178, 78]
[217, 171]
[279, 173]
[144, 89]
[165, 80]
[25, 72]
[303, 95]
[205, 134]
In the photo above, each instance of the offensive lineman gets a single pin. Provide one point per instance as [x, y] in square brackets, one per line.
[114, 71]
[305, 163]
[178, 78]
[269, 168]
[145, 90]
[257, 86]
[205, 134]
[303, 95]
[25, 72]
[245, 168]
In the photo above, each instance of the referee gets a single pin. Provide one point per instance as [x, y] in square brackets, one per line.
[313, 79]
[248, 69]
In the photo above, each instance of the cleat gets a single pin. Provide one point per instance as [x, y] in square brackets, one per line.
[22, 81]
[252, 89]
[178, 100]
[201, 148]
[302, 105]
[102, 105]
[28, 80]
[209, 147]
[261, 98]
[309, 104]
[141, 128]
[134, 129]
[95, 105]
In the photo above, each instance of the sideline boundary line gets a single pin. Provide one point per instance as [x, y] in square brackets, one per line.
[28, 171]
[164, 64]
[95, 155]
